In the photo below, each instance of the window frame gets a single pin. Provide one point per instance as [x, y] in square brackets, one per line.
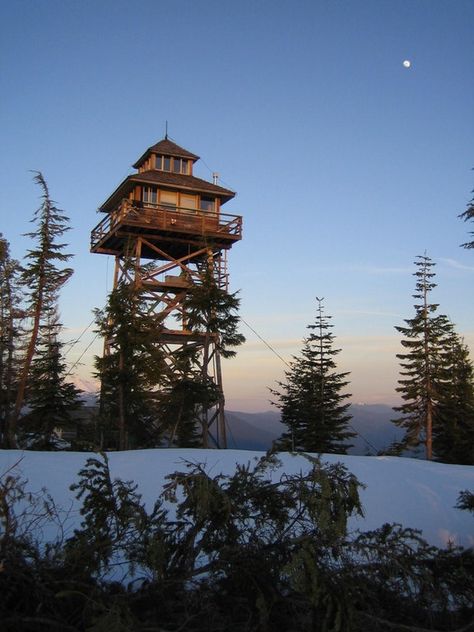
[149, 194]
[163, 192]
[180, 166]
[207, 198]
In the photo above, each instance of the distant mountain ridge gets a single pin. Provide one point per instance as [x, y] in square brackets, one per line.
[257, 431]
[371, 422]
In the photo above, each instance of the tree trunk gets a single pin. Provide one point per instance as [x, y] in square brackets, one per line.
[176, 426]
[429, 431]
[428, 385]
[222, 436]
[7, 354]
[20, 396]
[121, 404]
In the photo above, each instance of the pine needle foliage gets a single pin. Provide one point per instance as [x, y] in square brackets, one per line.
[312, 405]
[211, 310]
[179, 408]
[434, 373]
[52, 400]
[468, 215]
[191, 390]
[129, 370]
[466, 501]
[453, 432]
[43, 275]
[11, 316]
[114, 520]
[253, 551]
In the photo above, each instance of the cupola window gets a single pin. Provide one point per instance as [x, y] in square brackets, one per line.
[173, 164]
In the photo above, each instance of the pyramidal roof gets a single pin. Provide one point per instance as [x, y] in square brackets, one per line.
[168, 148]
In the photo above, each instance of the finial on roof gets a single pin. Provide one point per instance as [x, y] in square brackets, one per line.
[166, 130]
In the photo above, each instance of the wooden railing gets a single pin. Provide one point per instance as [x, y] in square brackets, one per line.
[173, 219]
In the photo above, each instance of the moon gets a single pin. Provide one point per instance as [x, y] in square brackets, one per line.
[407, 63]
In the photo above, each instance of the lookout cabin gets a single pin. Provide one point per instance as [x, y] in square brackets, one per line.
[164, 204]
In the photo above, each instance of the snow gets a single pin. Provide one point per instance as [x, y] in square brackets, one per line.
[411, 492]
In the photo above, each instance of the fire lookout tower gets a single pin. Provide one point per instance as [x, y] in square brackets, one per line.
[169, 224]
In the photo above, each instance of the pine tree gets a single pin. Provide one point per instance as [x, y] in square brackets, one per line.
[466, 216]
[11, 316]
[51, 400]
[453, 433]
[129, 370]
[209, 310]
[43, 280]
[424, 365]
[179, 409]
[143, 398]
[312, 405]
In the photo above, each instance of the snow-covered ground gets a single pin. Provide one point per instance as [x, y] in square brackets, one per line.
[414, 493]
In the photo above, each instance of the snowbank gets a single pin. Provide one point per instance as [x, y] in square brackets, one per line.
[414, 493]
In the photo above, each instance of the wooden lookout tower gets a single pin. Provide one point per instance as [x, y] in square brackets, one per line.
[170, 225]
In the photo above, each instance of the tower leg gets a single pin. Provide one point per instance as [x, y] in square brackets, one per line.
[222, 434]
[184, 336]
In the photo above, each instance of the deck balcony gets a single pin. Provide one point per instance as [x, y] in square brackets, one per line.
[162, 223]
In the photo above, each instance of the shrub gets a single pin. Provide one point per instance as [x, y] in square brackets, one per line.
[251, 551]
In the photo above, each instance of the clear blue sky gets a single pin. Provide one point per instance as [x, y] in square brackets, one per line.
[347, 165]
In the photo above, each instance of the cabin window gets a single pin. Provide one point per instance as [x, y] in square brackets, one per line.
[188, 201]
[168, 198]
[167, 163]
[149, 195]
[207, 204]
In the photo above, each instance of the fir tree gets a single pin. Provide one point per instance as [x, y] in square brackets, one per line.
[43, 278]
[130, 369]
[179, 409]
[147, 400]
[425, 367]
[11, 315]
[466, 216]
[51, 400]
[312, 405]
[211, 311]
[453, 433]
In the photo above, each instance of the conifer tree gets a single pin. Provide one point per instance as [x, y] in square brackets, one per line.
[179, 409]
[11, 315]
[179, 399]
[453, 433]
[209, 310]
[42, 277]
[129, 370]
[466, 216]
[424, 365]
[52, 400]
[147, 400]
[312, 405]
